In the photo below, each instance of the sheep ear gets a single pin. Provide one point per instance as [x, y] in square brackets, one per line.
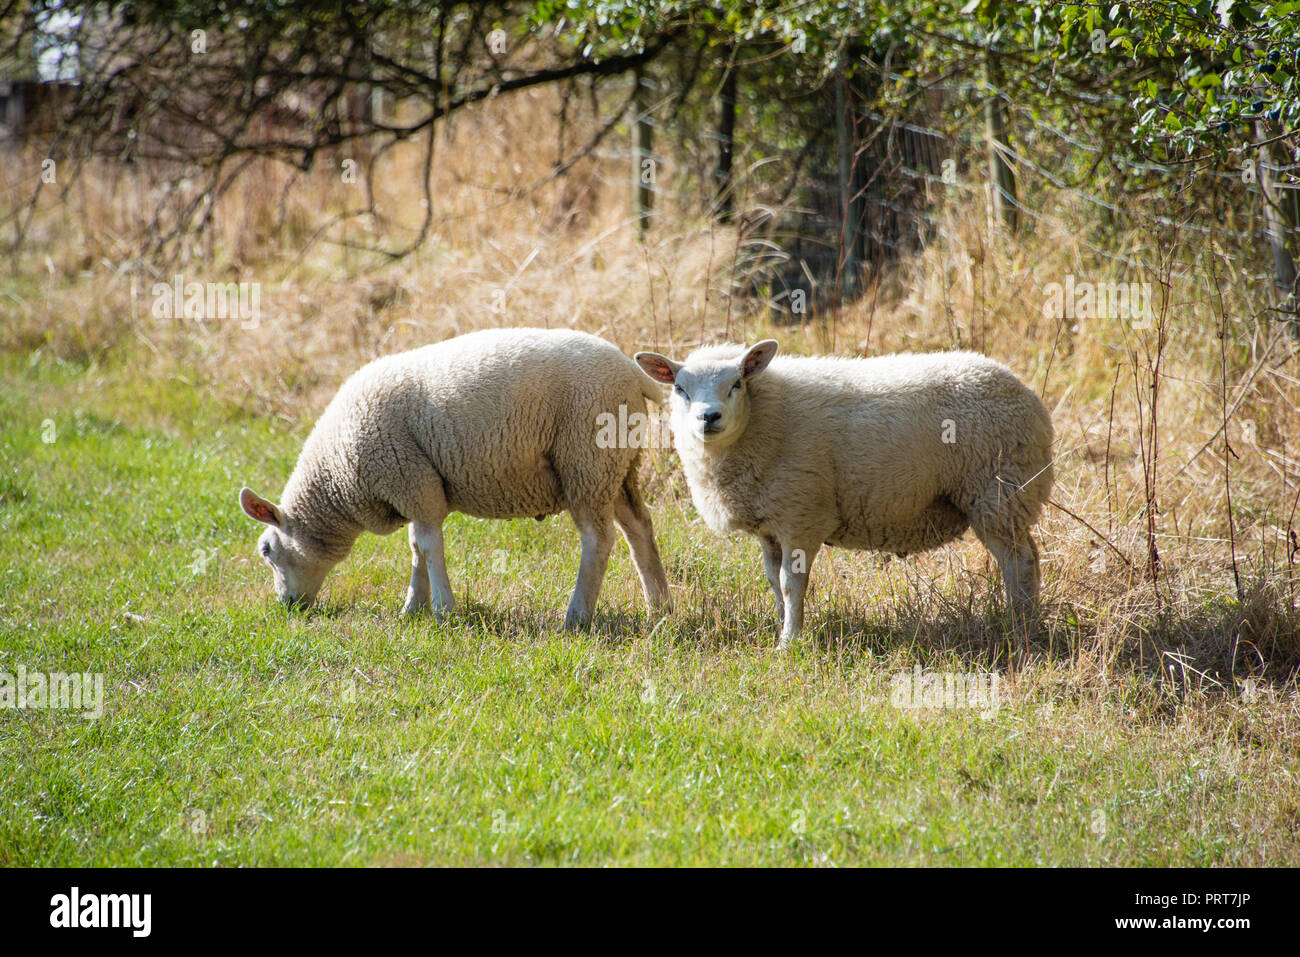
[660, 368]
[256, 507]
[757, 358]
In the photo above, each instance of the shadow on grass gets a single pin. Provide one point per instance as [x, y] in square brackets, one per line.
[529, 623]
[1214, 643]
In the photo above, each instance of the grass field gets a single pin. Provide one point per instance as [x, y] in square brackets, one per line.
[236, 733]
[1154, 718]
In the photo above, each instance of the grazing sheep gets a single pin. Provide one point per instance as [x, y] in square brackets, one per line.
[500, 423]
[897, 453]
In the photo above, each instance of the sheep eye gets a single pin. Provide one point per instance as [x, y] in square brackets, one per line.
[682, 392]
[266, 549]
[735, 386]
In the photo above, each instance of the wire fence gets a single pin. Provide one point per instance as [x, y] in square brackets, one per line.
[903, 171]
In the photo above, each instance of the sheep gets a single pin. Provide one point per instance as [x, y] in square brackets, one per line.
[898, 453]
[500, 423]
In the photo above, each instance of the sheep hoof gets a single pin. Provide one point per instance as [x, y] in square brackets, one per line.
[576, 622]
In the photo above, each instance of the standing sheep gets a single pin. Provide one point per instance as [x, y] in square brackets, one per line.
[897, 453]
[500, 423]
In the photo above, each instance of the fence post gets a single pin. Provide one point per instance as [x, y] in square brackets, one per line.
[1280, 223]
[1002, 179]
[643, 150]
[850, 204]
[726, 142]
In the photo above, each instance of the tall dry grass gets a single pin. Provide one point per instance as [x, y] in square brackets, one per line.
[1206, 480]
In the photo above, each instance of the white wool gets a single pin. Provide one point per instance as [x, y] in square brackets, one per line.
[896, 453]
[500, 423]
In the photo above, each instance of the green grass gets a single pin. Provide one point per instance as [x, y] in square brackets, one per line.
[236, 733]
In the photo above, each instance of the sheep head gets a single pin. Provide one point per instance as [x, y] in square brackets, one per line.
[710, 397]
[299, 563]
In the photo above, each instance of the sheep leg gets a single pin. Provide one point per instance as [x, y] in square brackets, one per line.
[417, 594]
[1018, 563]
[597, 540]
[428, 571]
[772, 566]
[633, 520]
[796, 565]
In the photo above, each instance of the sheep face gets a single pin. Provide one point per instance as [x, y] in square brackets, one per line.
[298, 563]
[710, 398]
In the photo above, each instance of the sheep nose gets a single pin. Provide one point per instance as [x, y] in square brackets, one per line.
[710, 417]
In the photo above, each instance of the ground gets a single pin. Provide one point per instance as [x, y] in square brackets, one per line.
[235, 733]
